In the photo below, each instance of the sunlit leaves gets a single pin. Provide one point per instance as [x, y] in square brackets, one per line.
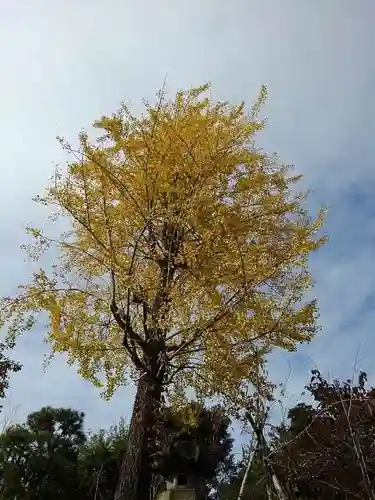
[197, 233]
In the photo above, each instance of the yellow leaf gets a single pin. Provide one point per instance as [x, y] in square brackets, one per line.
[192, 230]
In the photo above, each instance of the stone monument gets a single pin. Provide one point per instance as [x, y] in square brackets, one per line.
[181, 487]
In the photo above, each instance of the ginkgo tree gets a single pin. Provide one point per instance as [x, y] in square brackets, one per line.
[187, 247]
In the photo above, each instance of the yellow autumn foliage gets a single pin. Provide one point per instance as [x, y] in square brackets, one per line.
[236, 278]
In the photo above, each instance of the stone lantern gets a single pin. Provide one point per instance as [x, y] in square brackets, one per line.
[181, 487]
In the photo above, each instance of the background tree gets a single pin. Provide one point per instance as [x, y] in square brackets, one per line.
[40, 458]
[100, 460]
[228, 486]
[255, 419]
[7, 367]
[187, 247]
[49, 456]
[327, 450]
[193, 442]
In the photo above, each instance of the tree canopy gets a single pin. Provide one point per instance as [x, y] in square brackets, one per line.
[327, 449]
[49, 456]
[194, 441]
[39, 459]
[182, 235]
[7, 367]
[100, 460]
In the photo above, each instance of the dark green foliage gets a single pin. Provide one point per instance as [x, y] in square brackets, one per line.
[194, 441]
[40, 458]
[228, 484]
[100, 461]
[49, 457]
[7, 366]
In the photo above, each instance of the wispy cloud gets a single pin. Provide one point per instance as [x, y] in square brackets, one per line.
[66, 63]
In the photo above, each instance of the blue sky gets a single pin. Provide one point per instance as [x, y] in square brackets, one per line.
[65, 63]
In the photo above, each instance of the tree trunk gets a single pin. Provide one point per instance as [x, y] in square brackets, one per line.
[135, 479]
[245, 478]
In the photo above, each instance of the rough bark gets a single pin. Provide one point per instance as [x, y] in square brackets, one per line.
[135, 479]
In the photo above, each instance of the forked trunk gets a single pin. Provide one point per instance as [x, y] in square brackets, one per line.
[135, 479]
